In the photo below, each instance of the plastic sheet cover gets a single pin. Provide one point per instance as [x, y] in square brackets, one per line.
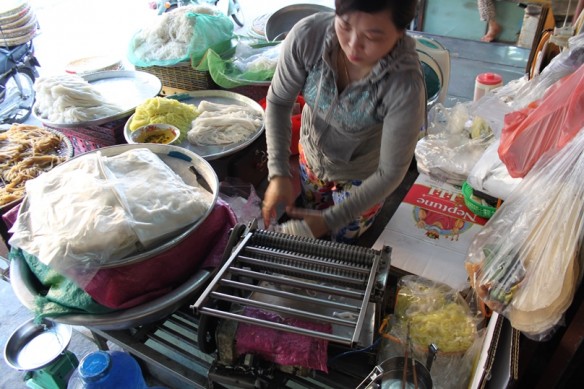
[94, 210]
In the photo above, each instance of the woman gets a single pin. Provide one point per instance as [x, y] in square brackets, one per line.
[365, 96]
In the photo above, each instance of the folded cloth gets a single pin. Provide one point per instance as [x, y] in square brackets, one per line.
[134, 284]
[284, 348]
[63, 296]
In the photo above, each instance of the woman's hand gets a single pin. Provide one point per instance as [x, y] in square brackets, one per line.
[314, 220]
[279, 191]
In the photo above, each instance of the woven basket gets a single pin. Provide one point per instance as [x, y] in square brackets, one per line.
[473, 206]
[255, 92]
[181, 76]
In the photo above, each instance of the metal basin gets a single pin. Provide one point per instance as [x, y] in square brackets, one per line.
[26, 287]
[282, 21]
[33, 346]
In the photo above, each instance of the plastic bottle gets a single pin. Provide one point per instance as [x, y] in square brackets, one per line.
[107, 370]
[485, 82]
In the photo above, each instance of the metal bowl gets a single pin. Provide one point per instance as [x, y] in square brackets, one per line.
[33, 346]
[282, 21]
[155, 133]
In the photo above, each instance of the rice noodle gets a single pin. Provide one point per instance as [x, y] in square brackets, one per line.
[222, 124]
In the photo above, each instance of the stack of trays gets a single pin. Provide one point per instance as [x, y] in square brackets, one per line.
[18, 23]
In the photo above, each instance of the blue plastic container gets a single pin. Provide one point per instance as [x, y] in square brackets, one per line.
[107, 370]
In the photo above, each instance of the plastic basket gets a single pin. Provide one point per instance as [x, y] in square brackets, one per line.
[476, 208]
[181, 76]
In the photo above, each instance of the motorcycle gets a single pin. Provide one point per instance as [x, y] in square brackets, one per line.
[18, 72]
[233, 8]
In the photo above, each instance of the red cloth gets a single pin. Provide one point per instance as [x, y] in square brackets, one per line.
[128, 286]
[296, 121]
[281, 347]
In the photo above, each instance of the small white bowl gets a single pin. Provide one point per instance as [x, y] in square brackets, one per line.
[155, 133]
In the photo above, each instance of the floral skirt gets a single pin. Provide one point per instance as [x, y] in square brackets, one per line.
[318, 194]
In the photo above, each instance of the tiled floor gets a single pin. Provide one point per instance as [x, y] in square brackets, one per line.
[73, 29]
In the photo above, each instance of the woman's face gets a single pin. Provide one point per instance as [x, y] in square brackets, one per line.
[366, 38]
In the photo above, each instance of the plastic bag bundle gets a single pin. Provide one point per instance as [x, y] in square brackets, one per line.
[456, 140]
[247, 66]
[184, 34]
[525, 262]
[546, 124]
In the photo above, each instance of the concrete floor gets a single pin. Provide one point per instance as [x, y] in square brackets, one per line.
[72, 29]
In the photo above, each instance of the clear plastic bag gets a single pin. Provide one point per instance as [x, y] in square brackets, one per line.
[243, 200]
[456, 140]
[525, 263]
[248, 66]
[431, 313]
[519, 93]
[95, 210]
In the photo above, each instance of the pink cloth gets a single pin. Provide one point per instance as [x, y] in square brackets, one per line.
[284, 348]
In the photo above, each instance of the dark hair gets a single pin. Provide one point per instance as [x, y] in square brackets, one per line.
[402, 11]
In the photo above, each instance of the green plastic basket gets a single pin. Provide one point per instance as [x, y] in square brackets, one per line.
[476, 208]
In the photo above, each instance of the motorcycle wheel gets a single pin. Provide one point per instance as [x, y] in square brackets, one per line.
[22, 98]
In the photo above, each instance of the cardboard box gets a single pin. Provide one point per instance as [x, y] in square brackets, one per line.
[498, 363]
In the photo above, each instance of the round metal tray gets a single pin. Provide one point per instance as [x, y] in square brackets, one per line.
[125, 88]
[182, 162]
[214, 96]
[33, 346]
[282, 21]
[25, 287]
[65, 150]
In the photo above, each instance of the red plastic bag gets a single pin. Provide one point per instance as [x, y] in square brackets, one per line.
[546, 124]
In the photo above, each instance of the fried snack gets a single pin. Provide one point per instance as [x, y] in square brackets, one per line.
[25, 152]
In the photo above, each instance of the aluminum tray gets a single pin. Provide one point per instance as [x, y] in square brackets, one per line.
[214, 96]
[33, 346]
[26, 288]
[125, 88]
[282, 21]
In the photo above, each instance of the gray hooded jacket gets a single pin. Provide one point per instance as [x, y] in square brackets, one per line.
[367, 132]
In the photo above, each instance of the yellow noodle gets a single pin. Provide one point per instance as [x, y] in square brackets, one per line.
[25, 152]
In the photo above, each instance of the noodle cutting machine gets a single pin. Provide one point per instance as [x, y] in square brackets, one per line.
[283, 306]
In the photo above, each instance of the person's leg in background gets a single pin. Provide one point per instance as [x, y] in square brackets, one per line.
[487, 12]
